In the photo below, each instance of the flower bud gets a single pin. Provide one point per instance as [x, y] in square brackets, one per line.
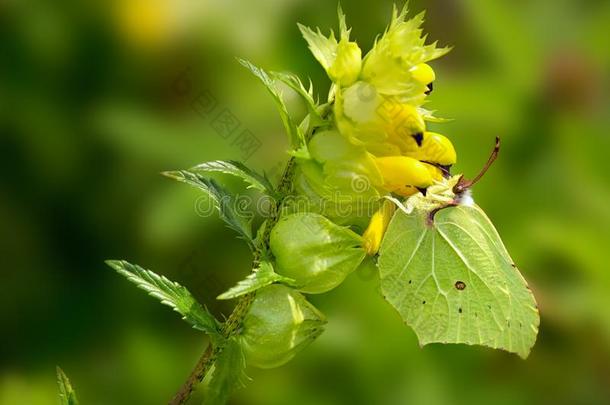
[279, 324]
[346, 67]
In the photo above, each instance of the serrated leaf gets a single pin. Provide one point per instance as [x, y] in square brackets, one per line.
[224, 201]
[294, 136]
[67, 396]
[237, 169]
[259, 239]
[296, 84]
[262, 276]
[171, 294]
[228, 374]
[453, 281]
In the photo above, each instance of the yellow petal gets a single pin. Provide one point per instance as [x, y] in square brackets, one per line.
[406, 191]
[402, 120]
[423, 73]
[379, 223]
[433, 148]
[401, 171]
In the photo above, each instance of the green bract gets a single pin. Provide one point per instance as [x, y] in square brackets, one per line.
[339, 179]
[316, 253]
[343, 163]
[388, 65]
[341, 59]
[279, 324]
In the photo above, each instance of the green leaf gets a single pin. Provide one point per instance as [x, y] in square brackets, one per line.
[453, 281]
[172, 294]
[228, 374]
[225, 202]
[296, 84]
[67, 396]
[259, 239]
[262, 276]
[237, 169]
[301, 153]
[294, 136]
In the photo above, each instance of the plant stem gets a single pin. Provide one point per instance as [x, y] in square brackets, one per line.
[201, 368]
[233, 323]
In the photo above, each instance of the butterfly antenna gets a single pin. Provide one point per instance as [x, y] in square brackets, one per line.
[464, 184]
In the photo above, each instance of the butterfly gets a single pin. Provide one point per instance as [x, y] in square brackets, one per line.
[445, 269]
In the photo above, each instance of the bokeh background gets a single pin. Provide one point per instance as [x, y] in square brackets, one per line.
[93, 105]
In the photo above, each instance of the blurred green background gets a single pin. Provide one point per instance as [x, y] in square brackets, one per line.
[93, 105]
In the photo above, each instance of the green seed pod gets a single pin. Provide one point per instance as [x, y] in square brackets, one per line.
[315, 252]
[279, 324]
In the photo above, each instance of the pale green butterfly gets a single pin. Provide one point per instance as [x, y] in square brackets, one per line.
[444, 268]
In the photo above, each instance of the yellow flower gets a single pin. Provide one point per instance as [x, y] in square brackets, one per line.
[379, 223]
[368, 117]
[379, 142]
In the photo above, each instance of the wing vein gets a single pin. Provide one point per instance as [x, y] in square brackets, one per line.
[469, 267]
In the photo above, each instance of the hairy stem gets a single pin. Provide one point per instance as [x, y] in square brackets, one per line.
[233, 324]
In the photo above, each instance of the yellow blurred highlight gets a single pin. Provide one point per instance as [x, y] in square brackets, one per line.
[150, 24]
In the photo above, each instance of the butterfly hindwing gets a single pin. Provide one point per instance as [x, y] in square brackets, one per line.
[453, 281]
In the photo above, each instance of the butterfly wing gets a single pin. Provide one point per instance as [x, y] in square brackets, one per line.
[453, 281]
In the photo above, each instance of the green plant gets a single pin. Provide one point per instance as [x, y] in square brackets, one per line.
[67, 396]
[361, 159]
